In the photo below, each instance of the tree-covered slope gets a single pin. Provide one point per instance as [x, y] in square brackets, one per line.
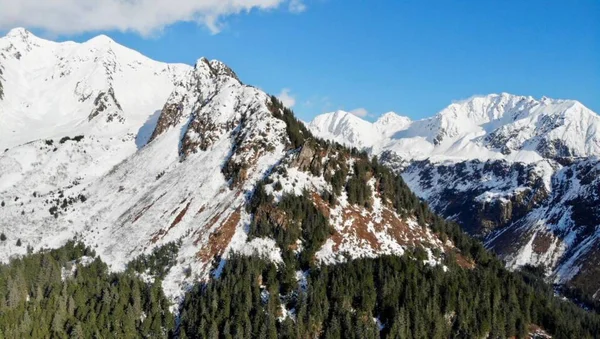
[70, 293]
[386, 297]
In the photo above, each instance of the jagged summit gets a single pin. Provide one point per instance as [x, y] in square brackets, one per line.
[494, 126]
[216, 67]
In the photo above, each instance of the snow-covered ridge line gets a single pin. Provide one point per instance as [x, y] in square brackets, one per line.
[170, 153]
[116, 188]
[100, 88]
[495, 126]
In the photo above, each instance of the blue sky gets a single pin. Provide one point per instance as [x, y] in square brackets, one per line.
[411, 57]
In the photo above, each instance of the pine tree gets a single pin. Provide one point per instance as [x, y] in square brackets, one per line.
[77, 332]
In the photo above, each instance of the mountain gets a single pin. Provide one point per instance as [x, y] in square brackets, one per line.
[93, 82]
[348, 129]
[517, 172]
[141, 199]
[128, 155]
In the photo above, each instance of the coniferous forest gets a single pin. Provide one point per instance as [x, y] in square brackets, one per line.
[69, 293]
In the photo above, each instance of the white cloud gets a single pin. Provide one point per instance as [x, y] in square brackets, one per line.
[360, 112]
[297, 6]
[145, 17]
[286, 98]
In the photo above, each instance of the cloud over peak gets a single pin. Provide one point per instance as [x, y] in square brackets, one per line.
[287, 99]
[144, 17]
[360, 112]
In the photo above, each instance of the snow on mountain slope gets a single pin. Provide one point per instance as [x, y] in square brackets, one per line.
[348, 129]
[504, 167]
[496, 126]
[56, 91]
[126, 155]
[540, 214]
[156, 195]
[345, 128]
[389, 123]
[99, 86]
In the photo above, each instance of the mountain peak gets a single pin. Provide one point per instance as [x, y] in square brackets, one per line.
[492, 126]
[215, 67]
[19, 32]
[100, 40]
[345, 128]
[19, 41]
[394, 118]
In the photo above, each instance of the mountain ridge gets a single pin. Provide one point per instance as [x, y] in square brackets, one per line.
[127, 176]
[512, 170]
[494, 126]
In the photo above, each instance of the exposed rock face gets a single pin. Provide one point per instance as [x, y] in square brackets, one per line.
[305, 158]
[106, 103]
[1, 86]
[185, 177]
[220, 69]
[481, 196]
[517, 172]
[540, 213]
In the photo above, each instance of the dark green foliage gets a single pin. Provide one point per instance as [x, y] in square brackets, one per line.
[410, 300]
[297, 132]
[158, 263]
[359, 192]
[234, 307]
[293, 218]
[91, 303]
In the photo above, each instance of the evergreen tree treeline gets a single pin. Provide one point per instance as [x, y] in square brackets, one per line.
[386, 297]
[39, 299]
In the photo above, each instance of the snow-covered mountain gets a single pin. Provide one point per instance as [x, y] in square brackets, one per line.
[99, 87]
[519, 173]
[348, 129]
[126, 154]
[496, 126]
